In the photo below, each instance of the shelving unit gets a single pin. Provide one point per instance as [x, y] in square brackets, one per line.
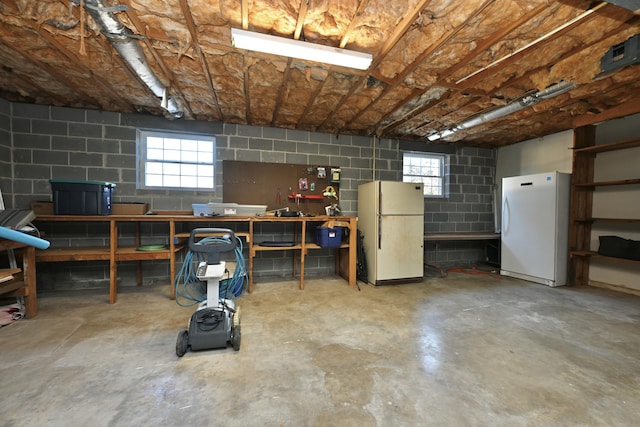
[583, 187]
[114, 253]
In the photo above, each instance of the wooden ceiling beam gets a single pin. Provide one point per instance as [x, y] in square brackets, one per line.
[478, 76]
[414, 113]
[281, 91]
[307, 107]
[512, 81]
[31, 83]
[634, 20]
[244, 10]
[625, 109]
[470, 100]
[191, 25]
[400, 30]
[352, 24]
[302, 15]
[74, 59]
[59, 77]
[421, 58]
[489, 41]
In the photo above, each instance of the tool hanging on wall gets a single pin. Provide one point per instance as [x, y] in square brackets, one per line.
[329, 191]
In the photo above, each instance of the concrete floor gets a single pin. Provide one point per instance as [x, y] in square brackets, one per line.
[460, 351]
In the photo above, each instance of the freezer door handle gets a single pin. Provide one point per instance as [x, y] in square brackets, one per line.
[506, 216]
[379, 215]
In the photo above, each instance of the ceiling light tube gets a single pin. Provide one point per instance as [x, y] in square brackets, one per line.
[297, 49]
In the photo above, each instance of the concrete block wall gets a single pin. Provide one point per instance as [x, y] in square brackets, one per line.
[65, 143]
[6, 183]
[469, 208]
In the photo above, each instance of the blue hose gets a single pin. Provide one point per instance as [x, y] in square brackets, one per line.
[190, 290]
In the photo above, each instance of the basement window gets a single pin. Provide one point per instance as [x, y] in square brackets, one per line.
[170, 160]
[427, 168]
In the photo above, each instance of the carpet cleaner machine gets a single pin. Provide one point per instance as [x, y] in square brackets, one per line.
[216, 321]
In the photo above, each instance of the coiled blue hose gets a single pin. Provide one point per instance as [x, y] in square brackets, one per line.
[190, 290]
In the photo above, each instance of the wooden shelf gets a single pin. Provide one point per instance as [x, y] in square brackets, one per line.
[6, 272]
[124, 253]
[613, 146]
[259, 248]
[608, 183]
[316, 246]
[7, 287]
[93, 253]
[593, 254]
[614, 220]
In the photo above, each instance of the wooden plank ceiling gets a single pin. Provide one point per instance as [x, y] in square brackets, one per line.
[436, 63]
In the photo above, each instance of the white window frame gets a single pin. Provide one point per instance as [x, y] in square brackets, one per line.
[429, 169]
[169, 160]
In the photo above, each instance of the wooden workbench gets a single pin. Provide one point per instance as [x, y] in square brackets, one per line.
[345, 254]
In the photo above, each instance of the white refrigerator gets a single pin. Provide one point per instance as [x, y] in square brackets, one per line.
[391, 219]
[535, 227]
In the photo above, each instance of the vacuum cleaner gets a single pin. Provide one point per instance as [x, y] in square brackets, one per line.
[216, 322]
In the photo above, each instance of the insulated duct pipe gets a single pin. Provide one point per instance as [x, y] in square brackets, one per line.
[122, 40]
[524, 102]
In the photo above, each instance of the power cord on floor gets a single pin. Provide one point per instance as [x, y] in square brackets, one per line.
[190, 290]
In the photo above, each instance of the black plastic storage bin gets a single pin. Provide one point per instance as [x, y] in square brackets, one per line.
[72, 197]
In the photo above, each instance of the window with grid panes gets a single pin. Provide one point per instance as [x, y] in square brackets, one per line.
[426, 168]
[169, 160]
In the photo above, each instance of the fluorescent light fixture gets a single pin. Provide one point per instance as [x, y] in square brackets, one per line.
[443, 134]
[297, 49]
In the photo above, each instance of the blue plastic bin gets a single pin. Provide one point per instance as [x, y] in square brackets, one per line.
[327, 237]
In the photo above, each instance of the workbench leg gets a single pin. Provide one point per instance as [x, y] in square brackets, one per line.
[303, 252]
[252, 253]
[353, 250]
[29, 271]
[172, 259]
[113, 264]
[138, 263]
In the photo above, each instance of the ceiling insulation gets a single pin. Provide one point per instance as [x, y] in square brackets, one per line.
[438, 65]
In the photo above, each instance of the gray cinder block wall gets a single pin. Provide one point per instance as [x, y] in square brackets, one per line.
[65, 143]
[5, 151]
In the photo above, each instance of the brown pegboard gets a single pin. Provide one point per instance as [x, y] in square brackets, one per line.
[255, 183]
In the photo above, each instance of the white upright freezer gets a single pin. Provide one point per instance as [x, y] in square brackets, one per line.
[391, 219]
[535, 227]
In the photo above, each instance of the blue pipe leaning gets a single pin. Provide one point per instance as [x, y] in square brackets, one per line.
[18, 236]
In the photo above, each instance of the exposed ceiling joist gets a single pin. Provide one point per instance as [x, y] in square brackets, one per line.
[436, 63]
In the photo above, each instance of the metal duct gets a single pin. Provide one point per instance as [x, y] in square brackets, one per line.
[524, 102]
[122, 40]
